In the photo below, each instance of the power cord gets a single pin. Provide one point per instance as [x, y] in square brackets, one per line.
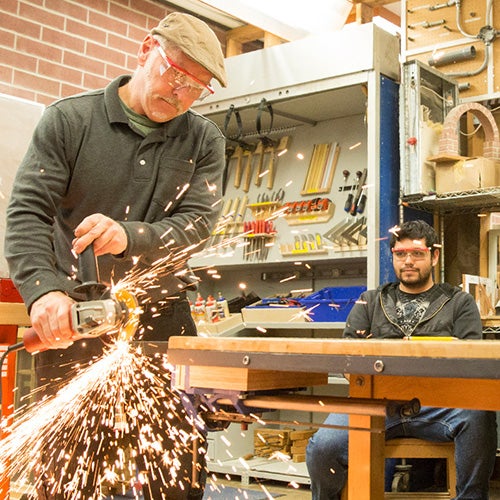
[3, 357]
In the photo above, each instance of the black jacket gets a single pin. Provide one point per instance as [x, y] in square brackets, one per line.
[452, 312]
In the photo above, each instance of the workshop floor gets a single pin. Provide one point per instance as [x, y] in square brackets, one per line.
[281, 491]
[303, 492]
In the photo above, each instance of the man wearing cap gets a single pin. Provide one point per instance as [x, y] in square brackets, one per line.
[133, 171]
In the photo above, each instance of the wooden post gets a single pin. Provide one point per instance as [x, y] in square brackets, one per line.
[366, 448]
[236, 37]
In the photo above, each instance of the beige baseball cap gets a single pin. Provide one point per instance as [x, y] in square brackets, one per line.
[196, 39]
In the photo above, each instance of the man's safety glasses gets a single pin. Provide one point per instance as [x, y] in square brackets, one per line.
[182, 80]
[414, 253]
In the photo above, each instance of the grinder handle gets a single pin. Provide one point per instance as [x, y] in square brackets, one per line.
[32, 342]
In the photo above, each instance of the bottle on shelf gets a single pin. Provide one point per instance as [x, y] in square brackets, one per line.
[211, 311]
[199, 308]
[222, 306]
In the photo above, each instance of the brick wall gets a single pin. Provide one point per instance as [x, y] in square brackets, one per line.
[449, 140]
[55, 48]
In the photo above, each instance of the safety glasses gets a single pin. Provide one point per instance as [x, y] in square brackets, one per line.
[182, 80]
[414, 253]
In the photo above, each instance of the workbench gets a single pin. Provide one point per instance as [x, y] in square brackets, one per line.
[446, 373]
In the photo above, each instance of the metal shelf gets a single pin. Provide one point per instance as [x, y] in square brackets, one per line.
[456, 202]
[289, 325]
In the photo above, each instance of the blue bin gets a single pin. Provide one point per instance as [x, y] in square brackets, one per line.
[332, 303]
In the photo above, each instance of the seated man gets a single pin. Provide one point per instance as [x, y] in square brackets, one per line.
[414, 306]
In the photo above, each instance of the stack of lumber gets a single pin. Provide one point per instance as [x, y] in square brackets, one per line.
[269, 441]
[287, 441]
[298, 444]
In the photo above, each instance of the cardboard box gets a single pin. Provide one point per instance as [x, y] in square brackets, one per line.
[243, 379]
[273, 314]
[207, 329]
[466, 175]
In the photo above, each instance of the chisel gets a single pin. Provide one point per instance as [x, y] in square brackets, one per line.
[248, 170]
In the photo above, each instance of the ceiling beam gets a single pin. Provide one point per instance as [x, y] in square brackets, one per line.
[255, 17]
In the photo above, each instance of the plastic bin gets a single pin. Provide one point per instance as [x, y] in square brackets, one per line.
[332, 303]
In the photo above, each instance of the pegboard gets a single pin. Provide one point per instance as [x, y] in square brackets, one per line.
[431, 29]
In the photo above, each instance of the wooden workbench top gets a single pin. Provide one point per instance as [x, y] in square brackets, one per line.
[448, 348]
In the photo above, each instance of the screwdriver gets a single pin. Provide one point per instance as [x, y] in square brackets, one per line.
[350, 196]
[352, 209]
[362, 202]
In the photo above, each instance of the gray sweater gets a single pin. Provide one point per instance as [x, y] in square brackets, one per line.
[85, 158]
[451, 312]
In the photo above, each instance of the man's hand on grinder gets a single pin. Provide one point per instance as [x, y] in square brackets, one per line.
[51, 318]
[107, 235]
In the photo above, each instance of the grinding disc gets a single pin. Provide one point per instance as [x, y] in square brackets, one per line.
[128, 329]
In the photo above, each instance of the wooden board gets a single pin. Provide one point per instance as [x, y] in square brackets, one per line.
[449, 349]
[244, 379]
[428, 31]
[424, 27]
[13, 313]
[455, 393]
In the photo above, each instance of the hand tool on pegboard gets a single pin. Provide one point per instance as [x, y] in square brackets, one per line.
[350, 232]
[325, 183]
[241, 148]
[351, 207]
[350, 195]
[340, 233]
[359, 191]
[219, 228]
[238, 156]
[229, 155]
[276, 151]
[360, 208]
[239, 218]
[230, 149]
[316, 164]
[333, 233]
[247, 174]
[259, 155]
[266, 144]
[259, 235]
[321, 169]
[231, 217]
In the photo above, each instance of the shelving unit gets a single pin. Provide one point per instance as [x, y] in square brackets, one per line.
[349, 98]
[456, 202]
[340, 87]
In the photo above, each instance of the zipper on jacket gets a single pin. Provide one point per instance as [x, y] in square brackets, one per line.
[422, 320]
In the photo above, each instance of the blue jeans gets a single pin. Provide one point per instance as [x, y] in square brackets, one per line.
[474, 433]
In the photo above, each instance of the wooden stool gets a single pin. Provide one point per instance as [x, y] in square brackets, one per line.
[420, 448]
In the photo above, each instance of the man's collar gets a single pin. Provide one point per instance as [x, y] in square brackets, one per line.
[176, 127]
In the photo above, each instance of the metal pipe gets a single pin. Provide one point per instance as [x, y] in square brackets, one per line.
[476, 71]
[443, 59]
[324, 404]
